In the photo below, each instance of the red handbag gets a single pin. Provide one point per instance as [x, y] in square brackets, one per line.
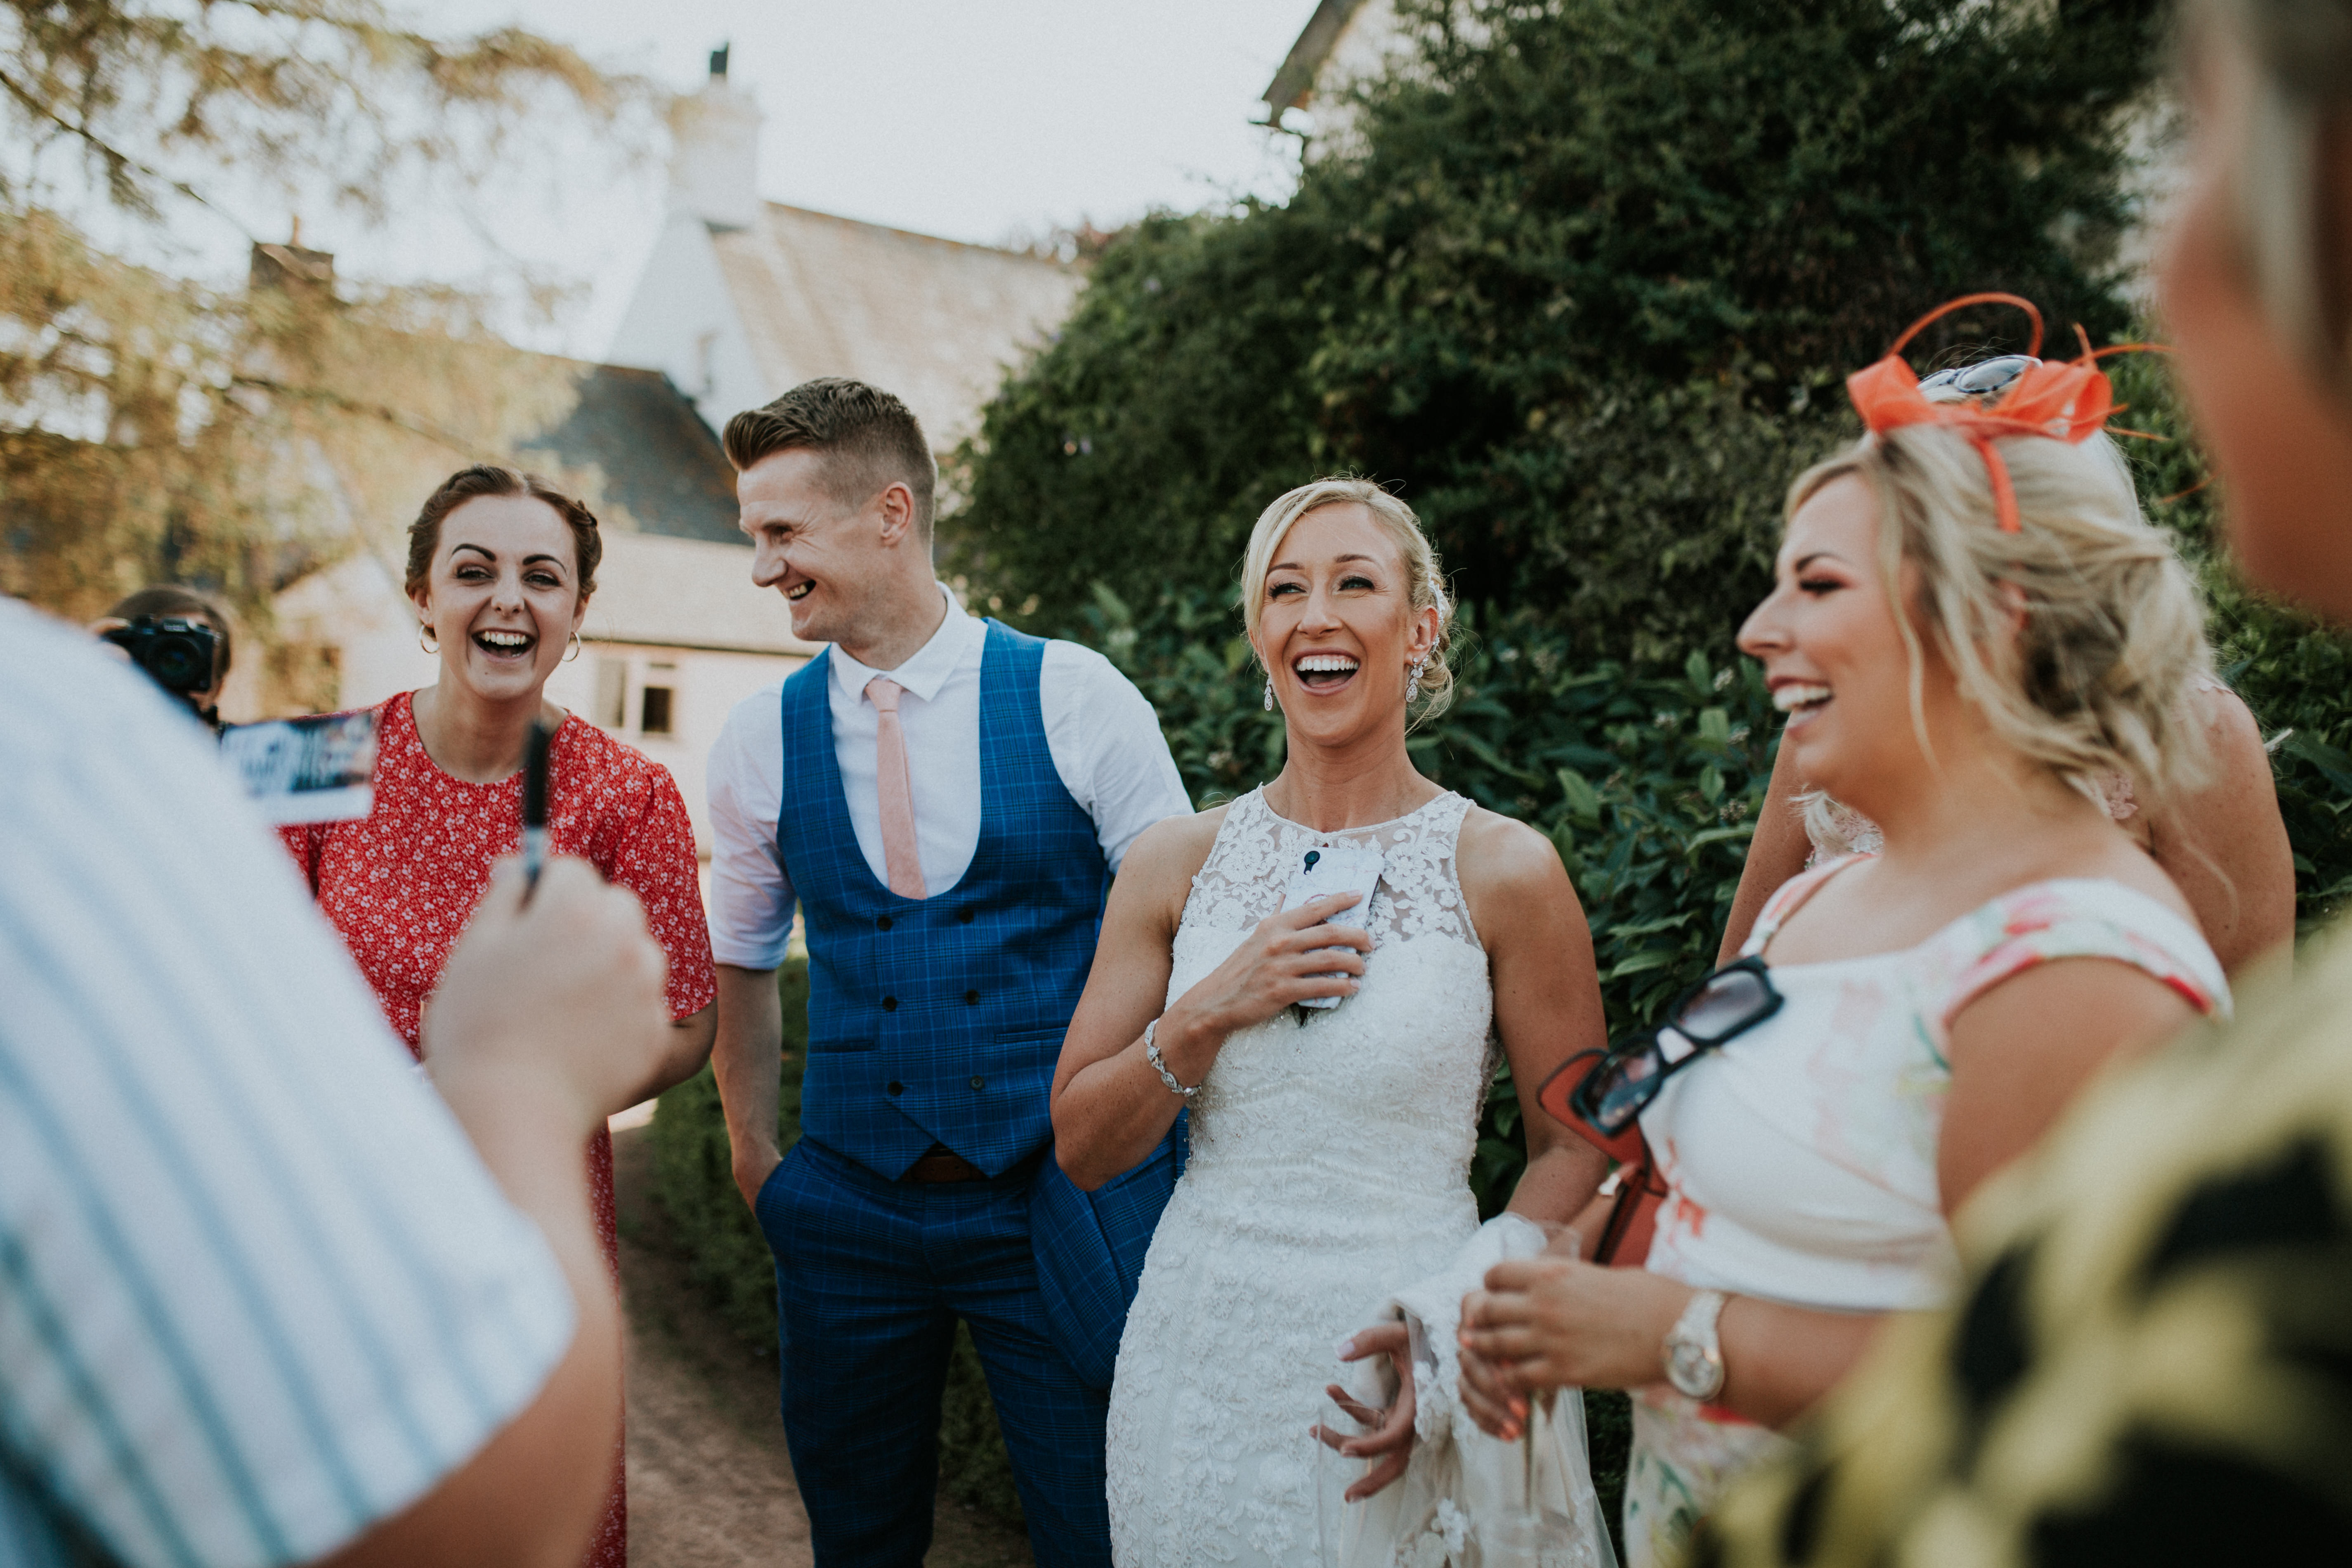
[1624, 1215]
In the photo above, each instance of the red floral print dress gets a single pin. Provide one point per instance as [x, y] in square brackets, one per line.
[400, 884]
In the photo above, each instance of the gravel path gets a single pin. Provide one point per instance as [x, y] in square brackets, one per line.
[710, 1485]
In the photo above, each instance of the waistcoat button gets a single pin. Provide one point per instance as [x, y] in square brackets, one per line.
[889, 1004]
[897, 1088]
[881, 922]
[964, 916]
[979, 1082]
[971, 999]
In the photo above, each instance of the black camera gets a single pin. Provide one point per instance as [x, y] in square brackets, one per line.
[182, 656]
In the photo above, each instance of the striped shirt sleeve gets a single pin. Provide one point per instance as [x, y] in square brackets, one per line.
[256, 1290]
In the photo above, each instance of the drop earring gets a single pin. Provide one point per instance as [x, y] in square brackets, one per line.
[1269, 694]
[1413, 681]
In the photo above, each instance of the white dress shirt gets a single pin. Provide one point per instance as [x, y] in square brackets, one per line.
[1103, 737]
[261, 1292]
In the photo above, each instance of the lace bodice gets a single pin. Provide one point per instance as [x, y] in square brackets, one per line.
[1398, 1062]
[1420, 894]
[1330, 1170]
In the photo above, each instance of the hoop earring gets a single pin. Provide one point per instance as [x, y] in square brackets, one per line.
[1413, 682]
[1269, 694]
[578, 648]
[423, 632]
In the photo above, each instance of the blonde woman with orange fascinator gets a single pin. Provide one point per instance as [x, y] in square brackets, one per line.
[2145, 1362]
[1970, 619]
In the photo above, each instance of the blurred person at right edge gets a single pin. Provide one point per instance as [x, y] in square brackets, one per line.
[1970, 617]
[2151, 1358]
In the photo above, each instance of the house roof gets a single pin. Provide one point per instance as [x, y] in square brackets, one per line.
[1294, 84]
[935, 321]
[662, 469]
[686, 592]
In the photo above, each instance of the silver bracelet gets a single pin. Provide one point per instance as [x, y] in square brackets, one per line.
[1151, 1055]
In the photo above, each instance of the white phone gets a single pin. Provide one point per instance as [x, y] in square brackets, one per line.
[1333, 868]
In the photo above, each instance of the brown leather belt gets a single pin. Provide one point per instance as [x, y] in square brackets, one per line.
[938, 1165]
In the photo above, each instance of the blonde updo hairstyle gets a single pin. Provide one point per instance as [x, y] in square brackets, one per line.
[2096, 681]
[1426, 589]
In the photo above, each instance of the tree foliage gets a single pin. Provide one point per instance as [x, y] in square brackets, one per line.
[154, 427]
[1578, 280]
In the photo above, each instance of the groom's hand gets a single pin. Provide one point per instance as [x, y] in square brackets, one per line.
[1390, 1441]
[754, 1167]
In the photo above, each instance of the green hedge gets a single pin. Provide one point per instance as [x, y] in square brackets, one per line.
[727, 1257]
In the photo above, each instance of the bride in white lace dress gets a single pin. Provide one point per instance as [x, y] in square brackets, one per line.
[1327, 1202]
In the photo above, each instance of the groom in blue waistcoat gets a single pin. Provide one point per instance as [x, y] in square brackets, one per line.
[946, 800]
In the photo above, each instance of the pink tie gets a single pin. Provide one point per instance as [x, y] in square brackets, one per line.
[896, 791]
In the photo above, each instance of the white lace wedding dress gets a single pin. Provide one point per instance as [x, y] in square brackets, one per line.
[1328, 1188]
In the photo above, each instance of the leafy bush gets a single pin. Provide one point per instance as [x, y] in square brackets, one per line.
[728, 1257]
[1584, 280]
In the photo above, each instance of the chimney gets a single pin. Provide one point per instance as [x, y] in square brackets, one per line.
[289, 266]
[714, 159]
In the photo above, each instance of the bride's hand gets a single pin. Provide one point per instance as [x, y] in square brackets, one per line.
[1289, 958]
[1392, 1442]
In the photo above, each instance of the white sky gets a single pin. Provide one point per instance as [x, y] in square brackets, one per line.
[978, 120]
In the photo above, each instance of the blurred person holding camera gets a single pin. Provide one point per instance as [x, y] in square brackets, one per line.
[180, 637]
[268, 1299]
[500, 568]
[2148, 1362]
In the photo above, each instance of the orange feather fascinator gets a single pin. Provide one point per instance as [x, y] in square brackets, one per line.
[2065, 400]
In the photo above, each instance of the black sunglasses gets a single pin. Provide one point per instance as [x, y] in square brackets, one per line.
[1727, 1002]
[1981, 379]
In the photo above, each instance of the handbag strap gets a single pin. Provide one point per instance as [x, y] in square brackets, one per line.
[1633, 1184]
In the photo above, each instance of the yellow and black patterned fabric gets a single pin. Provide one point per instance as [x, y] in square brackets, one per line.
[2150, 1362]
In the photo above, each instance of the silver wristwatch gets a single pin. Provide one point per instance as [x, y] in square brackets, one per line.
[1151, 1055]
[1693, 1356]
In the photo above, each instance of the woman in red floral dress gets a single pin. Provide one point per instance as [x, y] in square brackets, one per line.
[500, 568]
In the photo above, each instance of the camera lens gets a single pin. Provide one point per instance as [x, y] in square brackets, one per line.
[177, 663]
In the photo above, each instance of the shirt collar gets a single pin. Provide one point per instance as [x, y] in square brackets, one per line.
[928, 668]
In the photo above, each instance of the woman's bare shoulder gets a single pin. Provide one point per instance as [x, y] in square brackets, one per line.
[1498, 856]
[1170, 852]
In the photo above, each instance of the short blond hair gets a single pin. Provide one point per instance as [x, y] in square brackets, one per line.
[2096, 680]
[1426, 583]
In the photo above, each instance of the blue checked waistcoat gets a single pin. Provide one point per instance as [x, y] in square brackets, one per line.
[940, 1019]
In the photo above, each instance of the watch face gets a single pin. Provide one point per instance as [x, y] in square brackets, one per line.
[1691, 1372]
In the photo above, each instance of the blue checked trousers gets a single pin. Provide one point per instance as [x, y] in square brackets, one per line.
[871, 1276]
